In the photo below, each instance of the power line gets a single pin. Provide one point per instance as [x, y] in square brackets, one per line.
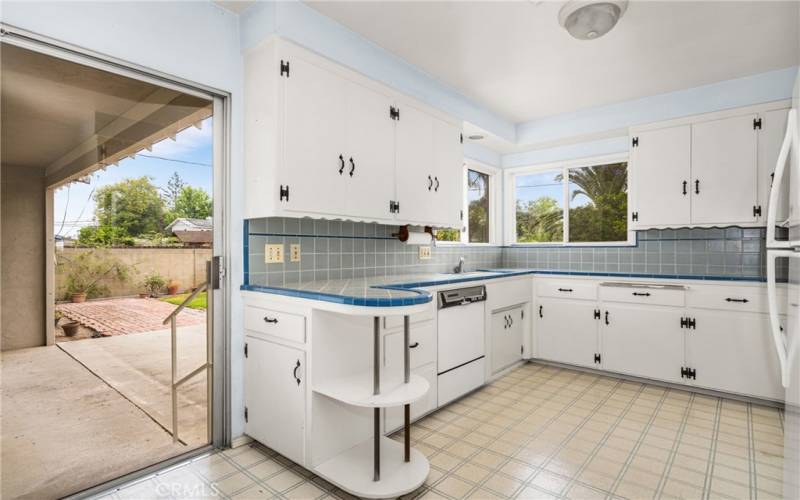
[177, 161]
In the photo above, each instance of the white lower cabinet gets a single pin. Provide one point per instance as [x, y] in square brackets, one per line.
[275, 396]
[567, 331]
[645, 341]
[733, 352]
[394, 416]
[507, 330]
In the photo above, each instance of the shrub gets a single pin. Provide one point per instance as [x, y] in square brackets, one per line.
[85, 272]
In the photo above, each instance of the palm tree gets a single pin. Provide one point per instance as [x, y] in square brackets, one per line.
[595, 182]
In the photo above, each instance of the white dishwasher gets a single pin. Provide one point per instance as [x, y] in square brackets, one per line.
[461, 342]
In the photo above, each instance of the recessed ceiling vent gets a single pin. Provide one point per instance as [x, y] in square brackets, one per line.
[590, 19]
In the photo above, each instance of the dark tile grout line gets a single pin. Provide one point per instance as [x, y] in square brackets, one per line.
[675, 446]
[712, 452]
[638, 444]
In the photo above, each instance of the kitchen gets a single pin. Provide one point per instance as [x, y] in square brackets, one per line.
[507, 250]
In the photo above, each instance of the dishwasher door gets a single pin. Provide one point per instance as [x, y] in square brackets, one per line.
[461, 335]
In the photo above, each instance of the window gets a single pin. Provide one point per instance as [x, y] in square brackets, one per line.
[572, 204]
[479, 208]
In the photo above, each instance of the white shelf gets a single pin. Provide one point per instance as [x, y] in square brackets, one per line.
[356, 390]
[352, 470]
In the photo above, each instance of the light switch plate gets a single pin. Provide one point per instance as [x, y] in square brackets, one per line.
[424, 253]
[294, 252]
[273, 254]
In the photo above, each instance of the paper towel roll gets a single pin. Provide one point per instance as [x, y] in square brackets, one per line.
[415, 238]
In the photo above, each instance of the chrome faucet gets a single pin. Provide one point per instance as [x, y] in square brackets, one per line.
[460, 267]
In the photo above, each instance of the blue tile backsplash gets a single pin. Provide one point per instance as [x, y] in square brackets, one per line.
[342, 249]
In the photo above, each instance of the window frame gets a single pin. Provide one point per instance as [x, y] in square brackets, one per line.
[510, 201]
[495, 205]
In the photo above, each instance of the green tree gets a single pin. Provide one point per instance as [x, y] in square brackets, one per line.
[193, 203]
[175, 185]
[604, 217]
[132, 205]
[539, 220]
[104, 236]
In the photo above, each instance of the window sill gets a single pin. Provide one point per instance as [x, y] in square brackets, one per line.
[611, 244]
[462, 244]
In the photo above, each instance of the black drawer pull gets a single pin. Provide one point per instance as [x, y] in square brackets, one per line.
[267, 319]
[341, 164]
[697, 187]
[640, 294]
[743, 301]
[607, 318]
[430, 183]
[352, 167]
[437, 184]
[684, 188]
[565, 289]
[412, 346]
[294, 372]
[540, 312]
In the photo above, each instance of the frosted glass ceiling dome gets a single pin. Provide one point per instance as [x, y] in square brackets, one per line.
[590, 19]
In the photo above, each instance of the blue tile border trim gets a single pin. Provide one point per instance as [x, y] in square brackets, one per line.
[422, 297]
[511, 272]
[288, 235]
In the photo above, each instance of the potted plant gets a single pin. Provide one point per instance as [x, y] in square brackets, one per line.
[57, 316]
[70, 328]
[153, 283]
[172, 287]
[86, 274]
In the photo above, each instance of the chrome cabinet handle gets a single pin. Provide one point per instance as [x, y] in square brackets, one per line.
[294, 372]
[267, 319]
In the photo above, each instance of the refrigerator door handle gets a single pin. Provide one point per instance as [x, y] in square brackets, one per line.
[789, 141]
[772, 301]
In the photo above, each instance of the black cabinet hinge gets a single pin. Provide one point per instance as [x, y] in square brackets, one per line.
[635, 216]
[757, 211]
[597, 359]
[597, 314]
[245, 414]
[284, 192]
[462, 215]
[394, 207]
[522, 314]
[635, 142]
[521, 350]
[689, 323]
[245, 350]
[285, 68]
[756, 123]
[462, 138]
[687, 373]
[394, 113]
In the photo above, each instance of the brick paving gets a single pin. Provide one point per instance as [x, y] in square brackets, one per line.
[127, 315]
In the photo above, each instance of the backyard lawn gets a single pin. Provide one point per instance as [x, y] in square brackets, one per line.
[199, 302]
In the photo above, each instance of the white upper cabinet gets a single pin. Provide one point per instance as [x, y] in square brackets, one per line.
[707, 170]
[662, 169]
[324, 141]
[724, 173]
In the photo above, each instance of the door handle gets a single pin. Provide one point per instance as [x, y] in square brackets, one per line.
[607, 318]
[697, 186]
[684, 188]
[267, 319]
[540, 312]
[341, 164]
[294, 372]
[414, 345]
[430, 183]
[352, 167]
[437, 184]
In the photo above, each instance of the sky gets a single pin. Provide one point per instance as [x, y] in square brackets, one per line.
[74, 206]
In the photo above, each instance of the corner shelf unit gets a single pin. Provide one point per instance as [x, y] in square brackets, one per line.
[378, 467]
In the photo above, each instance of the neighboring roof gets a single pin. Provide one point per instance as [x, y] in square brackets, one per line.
[191, 224]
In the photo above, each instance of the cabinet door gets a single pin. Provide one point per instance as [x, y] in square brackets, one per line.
[448, 162]
[507, 330]
[661, 165]
[394, 416]
[274, 396]
[566, 331]
[724, 170]
[314, 138]
[369, 161]
[644, 341]
[770, 139]
[734, 352]
[414, 167]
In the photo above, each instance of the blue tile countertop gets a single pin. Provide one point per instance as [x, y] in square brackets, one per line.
[404, 289]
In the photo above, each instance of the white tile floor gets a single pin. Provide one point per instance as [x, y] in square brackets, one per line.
[541, 432]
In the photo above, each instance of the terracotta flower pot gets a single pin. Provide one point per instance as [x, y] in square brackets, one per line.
[172, 289]
[70, 328]
[77, 298]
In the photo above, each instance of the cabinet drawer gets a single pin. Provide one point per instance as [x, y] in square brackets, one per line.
[278, 324]
[392, 322]
[660, 295]
[459, 381]
[422, 342]
[733, 299]
[508, 293]
[566, 290]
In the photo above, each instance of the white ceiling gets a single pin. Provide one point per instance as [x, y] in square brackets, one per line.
[515, 59]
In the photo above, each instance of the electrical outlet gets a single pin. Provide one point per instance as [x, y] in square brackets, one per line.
[294, 252]
[424, 253]
[273, 254]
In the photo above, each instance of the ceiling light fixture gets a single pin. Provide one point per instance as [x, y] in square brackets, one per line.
[590, 19]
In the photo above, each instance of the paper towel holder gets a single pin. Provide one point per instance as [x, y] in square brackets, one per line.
[403, 233]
